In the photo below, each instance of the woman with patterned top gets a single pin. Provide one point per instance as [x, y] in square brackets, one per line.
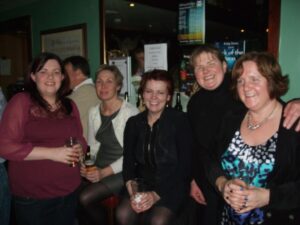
[33, 131]
[105, 136]
[259, 174]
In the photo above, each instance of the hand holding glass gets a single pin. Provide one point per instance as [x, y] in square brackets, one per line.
[89, 163]
[70, 142]
[137, 189]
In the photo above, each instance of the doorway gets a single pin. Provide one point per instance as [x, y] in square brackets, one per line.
[15, 54]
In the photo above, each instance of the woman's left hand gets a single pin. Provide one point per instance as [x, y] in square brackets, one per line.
[98, 174]
[148, 199]
[256, 198]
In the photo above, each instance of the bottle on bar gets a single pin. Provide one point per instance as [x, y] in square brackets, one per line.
[126, 97]
[178, 104]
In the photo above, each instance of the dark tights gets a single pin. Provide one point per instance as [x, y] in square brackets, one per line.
[92, 212]
[157, 215]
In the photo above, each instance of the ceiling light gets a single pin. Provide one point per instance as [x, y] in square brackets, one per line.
[131, 4]
[242, 30]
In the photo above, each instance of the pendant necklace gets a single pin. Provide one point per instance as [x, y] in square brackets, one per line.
[251, 126]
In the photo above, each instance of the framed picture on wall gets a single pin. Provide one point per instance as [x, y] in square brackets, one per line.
[65, 41]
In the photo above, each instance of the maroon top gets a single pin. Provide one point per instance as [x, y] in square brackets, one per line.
[25, 125]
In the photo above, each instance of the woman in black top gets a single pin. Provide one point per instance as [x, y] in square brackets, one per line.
[206, 109]
[157, 146]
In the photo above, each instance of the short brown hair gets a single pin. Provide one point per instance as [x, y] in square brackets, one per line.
[115, 71]
[158, 75]
[207, 49]
[268, 67]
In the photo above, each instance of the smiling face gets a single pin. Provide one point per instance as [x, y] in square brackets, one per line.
[252, 87]
[156, 96]
[48, 79]
[106, 85]
[209, 70]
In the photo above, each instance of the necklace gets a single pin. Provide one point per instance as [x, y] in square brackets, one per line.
[251, 126]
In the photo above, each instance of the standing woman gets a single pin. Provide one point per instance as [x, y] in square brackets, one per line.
[107, 122]
[33, 131]
[259, 174]
[206, 110]
[157, 144]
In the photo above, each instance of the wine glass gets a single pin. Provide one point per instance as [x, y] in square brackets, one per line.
[70, 142]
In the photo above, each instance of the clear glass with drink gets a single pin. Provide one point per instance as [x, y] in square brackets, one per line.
[70, 142]
[89, 163]
[137, 188]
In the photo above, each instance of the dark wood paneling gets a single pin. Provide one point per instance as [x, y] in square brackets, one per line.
[274, 26]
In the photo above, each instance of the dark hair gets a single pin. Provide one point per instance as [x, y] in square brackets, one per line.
[269, 68]
[115, 71]
[37, 64]
[208, 49]
[158, 75]
[78, 62]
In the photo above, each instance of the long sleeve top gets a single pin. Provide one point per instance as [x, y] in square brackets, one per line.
[126, 111]
[171, 155]
[283, 181]
[206, 109]
[24, 127]
[84, 95]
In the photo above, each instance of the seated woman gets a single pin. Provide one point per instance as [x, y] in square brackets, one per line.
[33, 131]
[157, 145]
[259, 174]
[105, 136]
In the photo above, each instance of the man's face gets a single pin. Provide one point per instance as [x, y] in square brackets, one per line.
[70, 72]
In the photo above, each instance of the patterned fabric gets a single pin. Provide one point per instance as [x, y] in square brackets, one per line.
[252, 164]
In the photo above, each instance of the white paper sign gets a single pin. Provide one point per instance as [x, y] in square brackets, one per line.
[156, 56]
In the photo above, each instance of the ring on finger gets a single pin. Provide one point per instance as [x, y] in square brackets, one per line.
[244, 205]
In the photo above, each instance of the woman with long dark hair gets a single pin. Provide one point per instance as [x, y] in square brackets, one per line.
[33, 133]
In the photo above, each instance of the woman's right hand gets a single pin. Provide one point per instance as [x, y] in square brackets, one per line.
[197, 194]
[66, 155]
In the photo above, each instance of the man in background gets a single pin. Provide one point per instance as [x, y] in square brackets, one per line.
[83, 90]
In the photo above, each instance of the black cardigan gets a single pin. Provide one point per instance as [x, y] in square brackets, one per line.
[284, 180]
[172, 153]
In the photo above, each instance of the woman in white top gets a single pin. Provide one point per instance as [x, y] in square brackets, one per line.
[107, 121]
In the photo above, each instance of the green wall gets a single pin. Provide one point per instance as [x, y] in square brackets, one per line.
[54, 14]
[289, 45]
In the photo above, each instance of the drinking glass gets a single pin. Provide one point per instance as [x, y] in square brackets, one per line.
[70, 142]
[138, 188]
[89, 163]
